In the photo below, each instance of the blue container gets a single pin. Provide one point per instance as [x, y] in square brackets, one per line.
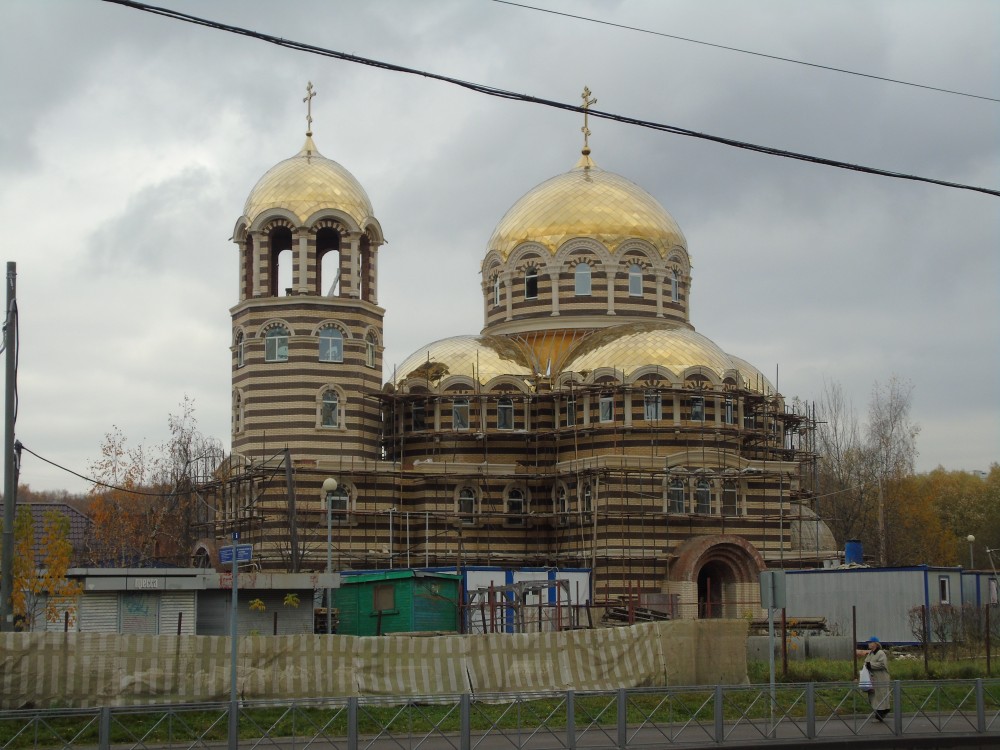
[852, 552]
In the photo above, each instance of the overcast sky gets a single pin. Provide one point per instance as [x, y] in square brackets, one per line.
[129, 143]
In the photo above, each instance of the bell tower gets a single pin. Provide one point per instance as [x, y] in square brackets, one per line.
[307, 329]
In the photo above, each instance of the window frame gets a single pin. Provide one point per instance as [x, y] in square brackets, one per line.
[675, 295]
[655, 398]
[697, 406]
[379, 591]
[730, 499]
[531, 283]
[944, 589]
[467, 496]
[635, 280]
[606, 408]
[418, 407]
[330, 396]
[332, 338]
[341, 505]
[371, 345]
[505, 406]
[496, 291]
[516, 496]
[583, 280]
[676, 496]
[729, 411]
[703, 497]
[279, 335]
[571, 416]
[240, 350]
[457, 405]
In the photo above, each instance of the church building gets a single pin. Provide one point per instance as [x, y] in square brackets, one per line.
[587, 430]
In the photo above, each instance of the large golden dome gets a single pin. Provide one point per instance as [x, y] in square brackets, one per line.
[481, 358]
[586, 202]
[306, 183]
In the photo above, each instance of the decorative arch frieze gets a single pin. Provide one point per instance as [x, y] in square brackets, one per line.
[339, 325]
[272, 323]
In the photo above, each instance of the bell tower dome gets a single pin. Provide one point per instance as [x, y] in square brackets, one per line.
[307, 329]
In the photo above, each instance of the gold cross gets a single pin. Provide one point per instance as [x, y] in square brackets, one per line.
[309, 108]
[587, 101]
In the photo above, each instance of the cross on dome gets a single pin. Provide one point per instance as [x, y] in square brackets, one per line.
[308, 102]
[587, 101]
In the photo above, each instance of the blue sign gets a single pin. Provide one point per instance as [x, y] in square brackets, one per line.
[244, 553]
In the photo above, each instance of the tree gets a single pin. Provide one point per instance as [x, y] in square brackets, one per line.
[42, 594]
[145, 507]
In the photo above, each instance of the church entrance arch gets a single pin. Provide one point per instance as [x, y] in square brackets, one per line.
[721, 573]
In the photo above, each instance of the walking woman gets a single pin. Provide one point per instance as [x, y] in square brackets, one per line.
[878, 667]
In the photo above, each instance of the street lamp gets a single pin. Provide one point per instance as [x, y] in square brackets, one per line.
[330, 487]
[970, 539]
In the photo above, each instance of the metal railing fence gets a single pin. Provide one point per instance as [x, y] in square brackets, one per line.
[626, 719]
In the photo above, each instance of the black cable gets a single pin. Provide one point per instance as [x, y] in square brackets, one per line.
[749, 52]
[503, 94]
[93, 481]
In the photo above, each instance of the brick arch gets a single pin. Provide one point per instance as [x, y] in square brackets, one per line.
[734, 552]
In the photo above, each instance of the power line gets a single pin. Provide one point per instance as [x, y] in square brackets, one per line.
[95, 482]
[748, 52]
[504, 94]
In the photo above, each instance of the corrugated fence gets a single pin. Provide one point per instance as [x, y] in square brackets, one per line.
[88, 669]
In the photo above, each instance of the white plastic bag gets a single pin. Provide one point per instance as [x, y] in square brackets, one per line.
[865, 680]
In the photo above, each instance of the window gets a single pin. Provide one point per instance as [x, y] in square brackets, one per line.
[238, 412]
[697, 409]
[749, 420]
[582, 280]
[467, 505]
[339, 501]
[674, 292]
[652, 406]
[460, 414]
[276, 345]
[703, 497]
[675, 496]
[730, 500]
[384, 597]
[496, 291]
[239, 349]
[635, 280]
[505, 414]
[607, 408]
[331, 345]
[944, 589]
[370, 344]
[531, 283]
[588, 498]
[728, 415]
[515, 508]
[418, 416]
[330, 413]
[571, 411]
[560, 506]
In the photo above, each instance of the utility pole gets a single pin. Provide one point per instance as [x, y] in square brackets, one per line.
[9, 464]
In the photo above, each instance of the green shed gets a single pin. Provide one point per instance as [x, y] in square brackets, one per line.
[398, 601]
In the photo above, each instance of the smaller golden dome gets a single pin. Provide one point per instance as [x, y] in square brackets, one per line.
[307, 183]
[586, 202]
[628, 347]
[481, 358]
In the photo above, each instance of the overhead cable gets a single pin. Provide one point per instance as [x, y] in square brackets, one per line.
[748, 52]
[504, 94]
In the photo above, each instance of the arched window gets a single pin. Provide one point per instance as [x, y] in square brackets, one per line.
[531, 283]
[570, 411]
[330, 412]
[370, 343]
[697, 409]
[460, 414]
[582, 280]
[237, 412]
[675, 496]
[496, 291]
[276, 345]
[635, 280]
[703, 497]
[515, 508]
[561, 506]
[467, 505]
[674, 291]
[239, 349]
[587, 500]
[505, 413]
[331, 345]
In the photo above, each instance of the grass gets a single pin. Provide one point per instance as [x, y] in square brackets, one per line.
[903, 668]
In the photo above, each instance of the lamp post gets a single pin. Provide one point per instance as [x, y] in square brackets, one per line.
[330, 487]
[970, 539]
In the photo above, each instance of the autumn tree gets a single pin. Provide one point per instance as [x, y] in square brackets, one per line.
[41, 591]
[145, 505]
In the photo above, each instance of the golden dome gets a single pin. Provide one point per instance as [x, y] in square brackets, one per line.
[586, 202]
[306, 183]
[629, 347]
[482, 357]
[756, 381]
